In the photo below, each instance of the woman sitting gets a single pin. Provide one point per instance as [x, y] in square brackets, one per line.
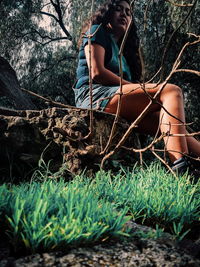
[109, 25]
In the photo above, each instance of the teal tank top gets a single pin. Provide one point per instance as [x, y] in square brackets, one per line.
[106, 40]
[113, 64]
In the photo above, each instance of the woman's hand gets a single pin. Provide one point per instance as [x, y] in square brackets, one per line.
[99, 73]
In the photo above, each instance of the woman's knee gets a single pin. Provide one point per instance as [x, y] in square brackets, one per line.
[171, 90]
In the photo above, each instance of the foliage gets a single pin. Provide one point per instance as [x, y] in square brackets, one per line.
[53, 214]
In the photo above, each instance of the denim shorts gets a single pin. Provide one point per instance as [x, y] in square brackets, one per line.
[100, 96]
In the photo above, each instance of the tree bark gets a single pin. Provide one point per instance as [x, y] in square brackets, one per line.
[10, 87]
[57, 135]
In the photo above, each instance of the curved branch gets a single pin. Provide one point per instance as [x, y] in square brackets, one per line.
[58, 10]
[188, 70]
[179, 5]
[59, 20]
[49, 14]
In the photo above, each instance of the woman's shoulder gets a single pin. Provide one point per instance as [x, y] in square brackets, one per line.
[98, 34]
[97, 29]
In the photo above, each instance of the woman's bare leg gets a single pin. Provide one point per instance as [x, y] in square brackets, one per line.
[171, 98]
[193, 146]
[150, 125]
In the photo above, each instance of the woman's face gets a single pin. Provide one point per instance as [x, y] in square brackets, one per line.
[121, 17]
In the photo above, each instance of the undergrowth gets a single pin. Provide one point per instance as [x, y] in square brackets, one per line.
[53, 214]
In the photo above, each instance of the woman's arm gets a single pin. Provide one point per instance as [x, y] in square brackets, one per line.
[99, 73]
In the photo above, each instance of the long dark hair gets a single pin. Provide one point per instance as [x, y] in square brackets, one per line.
[131, 48]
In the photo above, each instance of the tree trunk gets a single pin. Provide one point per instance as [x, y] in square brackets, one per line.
[57, 134]
[9, 87]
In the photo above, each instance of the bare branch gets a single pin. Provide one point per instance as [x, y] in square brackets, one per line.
[141, 150]
[51, 102]
[179, 5]
[120, 93]
[145, 14]
[59, 20]
[186, 135]
[188, 70]
[173, 34]
[193, 34]
[90, 75]
[51, 66]
[51, 39]
[164, 162]
[49, 15]
[89, 36]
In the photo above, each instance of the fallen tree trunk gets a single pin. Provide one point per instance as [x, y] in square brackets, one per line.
[57, 134]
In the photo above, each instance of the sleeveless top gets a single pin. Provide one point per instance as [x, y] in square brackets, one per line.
[107, 41]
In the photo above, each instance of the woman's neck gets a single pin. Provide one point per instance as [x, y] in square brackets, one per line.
[117, 35]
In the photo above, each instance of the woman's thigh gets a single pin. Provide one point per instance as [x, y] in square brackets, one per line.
[134, 101]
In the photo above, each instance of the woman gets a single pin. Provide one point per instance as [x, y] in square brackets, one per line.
[109, 25]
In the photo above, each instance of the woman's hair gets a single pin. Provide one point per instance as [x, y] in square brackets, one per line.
[131, 48]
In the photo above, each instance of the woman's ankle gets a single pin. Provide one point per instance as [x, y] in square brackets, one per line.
[187, 164]
[180, 165]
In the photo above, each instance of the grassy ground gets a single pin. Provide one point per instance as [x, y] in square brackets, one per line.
[49, 214]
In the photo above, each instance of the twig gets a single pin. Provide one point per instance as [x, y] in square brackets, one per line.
[182, 153]
[188, 70]
[166, 141]
[172, 35]
[120, 89]
[47, 99]
[186, 135]
[163, 161]
[109, 97]
[90, 76]
[145, 14]
[179, 5]
[49, 15]
[142, 150]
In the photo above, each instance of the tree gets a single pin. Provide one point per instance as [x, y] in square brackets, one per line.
[45, 55]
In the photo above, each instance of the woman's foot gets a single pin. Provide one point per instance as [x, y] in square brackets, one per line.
[187, 164]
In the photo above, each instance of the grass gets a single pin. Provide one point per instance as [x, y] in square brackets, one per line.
[54, 214]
